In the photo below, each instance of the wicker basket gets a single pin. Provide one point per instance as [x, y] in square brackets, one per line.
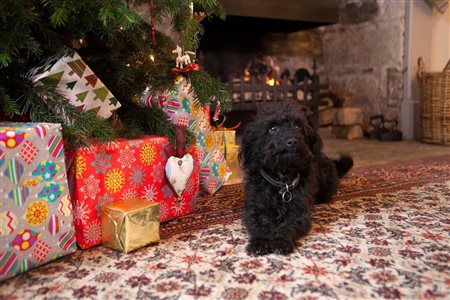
[434, 105]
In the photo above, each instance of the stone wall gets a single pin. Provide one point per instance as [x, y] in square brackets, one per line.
[364, 54]
[295, 50]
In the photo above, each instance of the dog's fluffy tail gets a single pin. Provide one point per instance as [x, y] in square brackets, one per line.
[343, 164]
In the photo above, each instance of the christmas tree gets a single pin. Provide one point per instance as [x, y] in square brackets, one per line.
[127, 54]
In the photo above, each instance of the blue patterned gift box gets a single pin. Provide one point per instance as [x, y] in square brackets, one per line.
[35, 208]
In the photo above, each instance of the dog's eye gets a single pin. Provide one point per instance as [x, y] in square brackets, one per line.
[273, 130]
[296, 126]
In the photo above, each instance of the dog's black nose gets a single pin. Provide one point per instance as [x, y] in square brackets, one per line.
[292, 142]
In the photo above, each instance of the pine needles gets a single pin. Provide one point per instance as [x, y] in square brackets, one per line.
[115, 43]
[209, 90]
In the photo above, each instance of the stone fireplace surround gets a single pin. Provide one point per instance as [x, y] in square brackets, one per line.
[362, 54]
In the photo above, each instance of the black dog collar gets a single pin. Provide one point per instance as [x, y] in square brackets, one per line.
[286, 188]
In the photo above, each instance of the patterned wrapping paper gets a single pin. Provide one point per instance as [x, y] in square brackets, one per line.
[182, 108]
[124, 169]
[35, 208]
[73, 78]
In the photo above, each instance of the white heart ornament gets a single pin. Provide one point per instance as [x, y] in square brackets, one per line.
[178, 171]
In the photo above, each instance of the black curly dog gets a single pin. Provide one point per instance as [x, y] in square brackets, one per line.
[285, 174]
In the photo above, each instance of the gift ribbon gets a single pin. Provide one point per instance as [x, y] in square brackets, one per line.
[181, 132]
[224, 140]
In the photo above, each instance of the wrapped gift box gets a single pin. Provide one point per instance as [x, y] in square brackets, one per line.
[182, 108]
[225, 136]
[124, 169]
[72, 77]
[35, 208]
[130, 224]
[231, 153]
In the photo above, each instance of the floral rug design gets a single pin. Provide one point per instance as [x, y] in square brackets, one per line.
[385, 235]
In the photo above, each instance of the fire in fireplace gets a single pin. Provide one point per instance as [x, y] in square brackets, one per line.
[261, 82]
[255, 36]
[242, 52]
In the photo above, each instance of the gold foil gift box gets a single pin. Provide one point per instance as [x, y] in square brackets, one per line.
[130, 225]
[225, 136]
[231, 153]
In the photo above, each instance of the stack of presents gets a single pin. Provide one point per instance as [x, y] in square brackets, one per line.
[115, 193]
[226, 139]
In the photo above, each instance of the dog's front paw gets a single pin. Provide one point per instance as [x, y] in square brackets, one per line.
[281, 246]
[259, 246]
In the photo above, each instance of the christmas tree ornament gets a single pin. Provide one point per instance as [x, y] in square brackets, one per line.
[152, 8]
[183, 61]
[179, 168]
[217, 112]
[178, 172]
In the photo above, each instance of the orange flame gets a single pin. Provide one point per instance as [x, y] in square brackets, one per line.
[246, 75]
[270, 81]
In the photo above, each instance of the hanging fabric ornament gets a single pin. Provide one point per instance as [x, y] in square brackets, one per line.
[178, 172]
[217, 112]
[152, 22]
[179, 167]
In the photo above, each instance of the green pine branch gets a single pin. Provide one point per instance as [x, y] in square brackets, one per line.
[210, 90]
[8, 105]
[148, 119]
[44, 104]
[115, 43]
[16, 22]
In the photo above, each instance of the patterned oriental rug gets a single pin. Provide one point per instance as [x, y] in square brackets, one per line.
[385, 235]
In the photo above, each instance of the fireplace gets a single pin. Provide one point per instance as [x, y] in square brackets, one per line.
[266, 54]
[360, 53]
[366, 51]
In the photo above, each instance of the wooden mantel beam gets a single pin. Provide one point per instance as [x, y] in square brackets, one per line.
[321, 11]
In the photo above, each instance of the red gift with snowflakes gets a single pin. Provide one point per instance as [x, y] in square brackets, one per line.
[124, 169]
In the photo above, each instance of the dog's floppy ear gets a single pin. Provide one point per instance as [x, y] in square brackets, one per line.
[314, 140]
[247, 144]
[312, 119]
